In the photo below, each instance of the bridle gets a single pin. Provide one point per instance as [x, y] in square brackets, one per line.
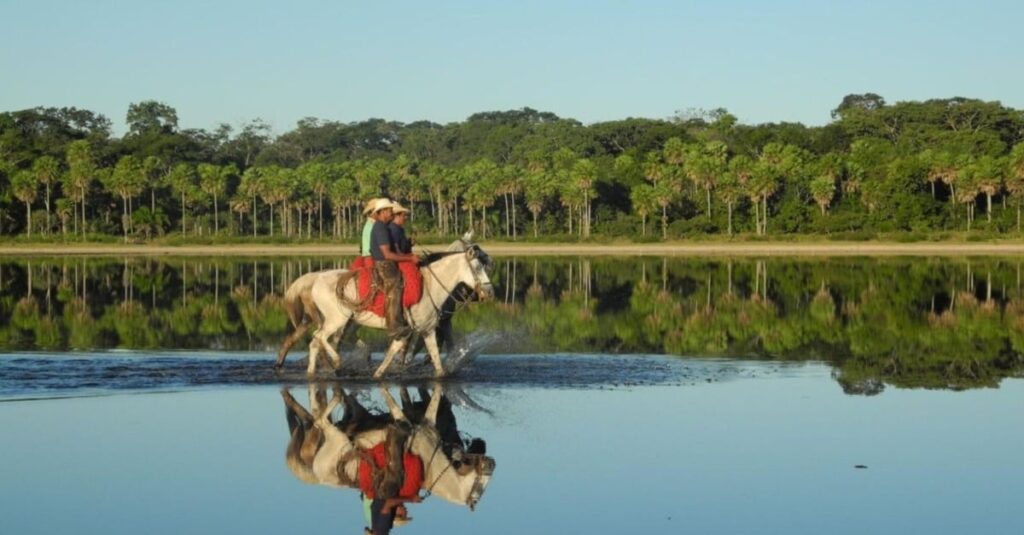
[477, 481]
[477, 284]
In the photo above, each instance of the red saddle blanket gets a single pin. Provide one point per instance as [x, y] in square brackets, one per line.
[412, 464]
[363, 266]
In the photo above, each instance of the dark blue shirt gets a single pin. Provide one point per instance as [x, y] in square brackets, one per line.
[399, 239]
[379, 235]
[381, 522]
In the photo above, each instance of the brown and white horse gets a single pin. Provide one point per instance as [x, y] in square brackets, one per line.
[442, 274]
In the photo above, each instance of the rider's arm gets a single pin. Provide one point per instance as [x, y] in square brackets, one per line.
[385, 249]
[391, 503]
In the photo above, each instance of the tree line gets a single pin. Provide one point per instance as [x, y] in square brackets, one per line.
[914, 166]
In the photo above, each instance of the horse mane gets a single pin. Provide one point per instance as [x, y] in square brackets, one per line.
[431, 258]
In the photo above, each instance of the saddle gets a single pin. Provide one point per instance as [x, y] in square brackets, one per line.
[371, 297]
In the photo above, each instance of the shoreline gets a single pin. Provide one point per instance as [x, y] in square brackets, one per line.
[543, 249]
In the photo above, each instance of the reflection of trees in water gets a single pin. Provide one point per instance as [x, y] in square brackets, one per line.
[917, 323]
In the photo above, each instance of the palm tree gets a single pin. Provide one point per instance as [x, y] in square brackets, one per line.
[25, 188]
[658, 174]
[968, 191]
[1015, 176]
[538, 189]
[64, 208]
[153, 169]
[341, 194]
[731, 185]
[642, 198]
[276, 187]
[213, 181]
[823, 189]
[776, 162]
[250, 186]
[455, 182]
[584, 174]
[240, 206]
[704, 165]
[664, 195]
[823, 186]
[988, 175]
[182, 181]
[126, 181]
[319, 178]
[480, 194]
[47, 171]
[940, 166]
[82, 172]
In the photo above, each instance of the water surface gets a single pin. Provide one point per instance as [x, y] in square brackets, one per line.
[620, 395]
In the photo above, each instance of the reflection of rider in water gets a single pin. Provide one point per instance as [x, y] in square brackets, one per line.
[390, 476]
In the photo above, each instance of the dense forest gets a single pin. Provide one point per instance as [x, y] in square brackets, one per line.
[929, 167]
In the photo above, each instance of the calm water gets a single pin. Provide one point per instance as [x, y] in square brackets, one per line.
[614, 395]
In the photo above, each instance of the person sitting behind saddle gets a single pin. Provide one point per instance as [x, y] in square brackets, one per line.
[368, 211]
[396, 227]
[386, 257]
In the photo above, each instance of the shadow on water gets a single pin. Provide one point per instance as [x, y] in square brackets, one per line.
[914, 323]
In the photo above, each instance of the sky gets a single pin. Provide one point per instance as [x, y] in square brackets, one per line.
[596, 60]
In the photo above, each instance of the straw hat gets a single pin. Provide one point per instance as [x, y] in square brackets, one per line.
[399, 209]
[382, 204]
[375, 205]
[368, 208]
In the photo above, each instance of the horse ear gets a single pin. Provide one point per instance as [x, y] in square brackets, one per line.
[468, 236]
[471, 252]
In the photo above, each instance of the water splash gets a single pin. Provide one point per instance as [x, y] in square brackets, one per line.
[467, 350]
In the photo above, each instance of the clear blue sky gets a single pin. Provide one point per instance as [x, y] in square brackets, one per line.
[229, 61]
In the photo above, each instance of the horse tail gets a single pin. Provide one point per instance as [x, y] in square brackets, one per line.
[294, 304]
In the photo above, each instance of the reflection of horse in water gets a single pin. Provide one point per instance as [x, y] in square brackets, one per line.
[324, 300]
[327, 452]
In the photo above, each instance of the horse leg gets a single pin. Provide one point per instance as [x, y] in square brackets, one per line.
[321, 340]
[296, 414]
[394, 349]
[435, 403]
[289, 341]
[430, 340]
[393, 408]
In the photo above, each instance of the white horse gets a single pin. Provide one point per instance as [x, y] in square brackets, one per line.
[303, 314]
[442, 273]
[331, 457]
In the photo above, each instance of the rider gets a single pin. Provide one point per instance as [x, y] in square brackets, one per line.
[397, 229]
[386, 258]
[364, 250]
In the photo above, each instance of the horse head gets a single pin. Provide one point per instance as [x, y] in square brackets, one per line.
[478, 265]
[477, 469]
[461, 480]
